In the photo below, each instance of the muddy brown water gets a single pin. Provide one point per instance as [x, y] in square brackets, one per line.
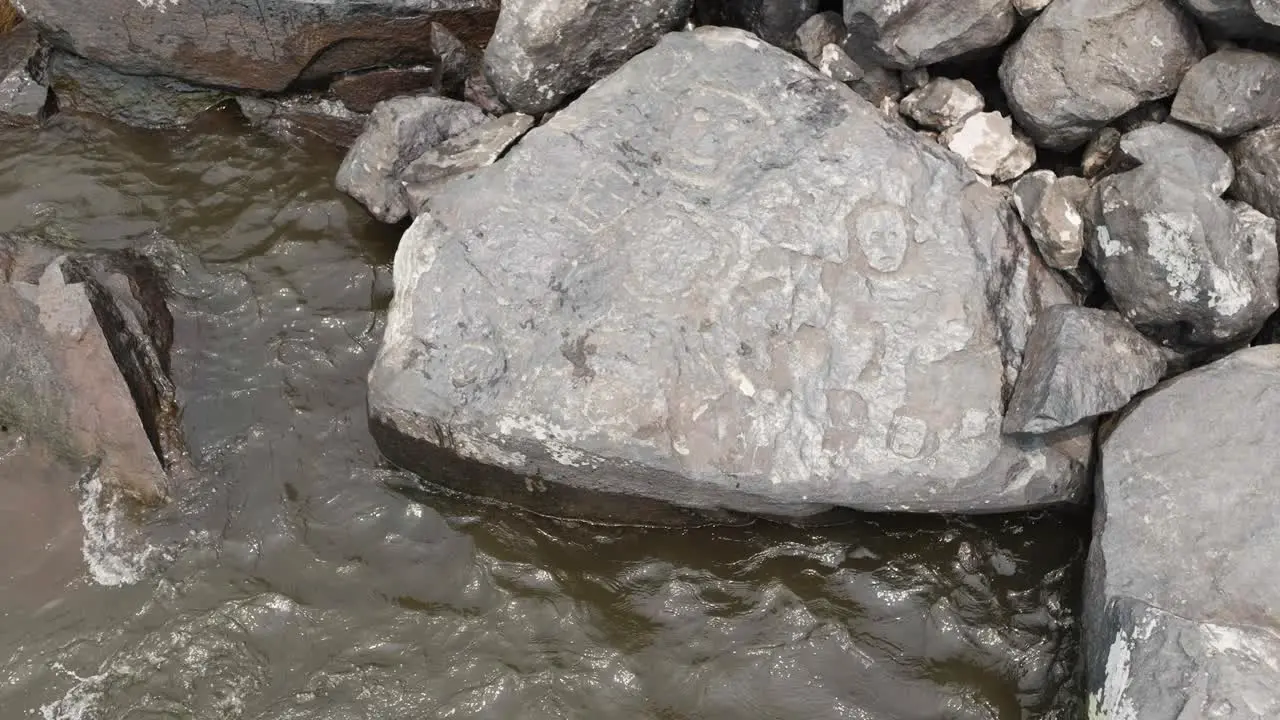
[300, 577]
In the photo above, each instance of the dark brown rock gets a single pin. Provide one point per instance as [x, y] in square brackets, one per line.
[301, 117]
[257, 44]
[362, 90]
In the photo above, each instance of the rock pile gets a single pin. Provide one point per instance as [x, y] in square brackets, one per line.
[754, 257]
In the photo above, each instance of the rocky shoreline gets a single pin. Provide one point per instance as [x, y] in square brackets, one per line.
[680, 260]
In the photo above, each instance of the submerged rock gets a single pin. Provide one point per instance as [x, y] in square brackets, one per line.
[146, 102]
[542, 51]
[480, 146]
[943, 103]
[1179, 151]
[990, 146]
[256, 44]
[915, 33]
[774, 21]
[662, 294]
[304, 116]
[1230, 92]
[1257, 169]
[1053, 210]
[399, 131]
[1180, 582]
[1079, 363]
[1083, 63]
[24, 89]
[1178, 261]
[84, 346]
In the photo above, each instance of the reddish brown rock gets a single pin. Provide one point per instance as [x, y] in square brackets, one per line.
[359, 92]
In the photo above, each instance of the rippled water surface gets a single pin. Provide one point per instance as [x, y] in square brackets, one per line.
[299, 577]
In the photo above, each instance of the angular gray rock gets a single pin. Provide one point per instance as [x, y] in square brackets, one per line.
[543, 51]
[1240, 19]
[1100, 153]
[24, 89]
[84, 344]
[774, 21]
[990, 146]
[1079, 363]
[1178, 261]
[256, 44]
[1180, 584]
[1177, 150]
[722, 281]
[915, 33]
[1083, 63]
[295, 118]
[942, 103]
[1052, 208]
[480, 146]
[872, 82]
[1257, 169]
[817, 32]
[398, 132]
[145, 102]
[1230, 92]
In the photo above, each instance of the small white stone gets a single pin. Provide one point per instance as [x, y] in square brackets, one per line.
[990, 147]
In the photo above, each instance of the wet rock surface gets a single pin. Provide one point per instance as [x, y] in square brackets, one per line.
[296, 118]
[544, 50]
[24, 88]
[916, 33]
[1176, 593]
[1079, 363]
[146, 102]
[1230, 92]
[596, 338]
[397, 133]
[1083, 63]
[256, 44]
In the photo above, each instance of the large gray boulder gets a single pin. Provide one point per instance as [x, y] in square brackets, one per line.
[1230, 92]
[1181, 587]
[256, 44]
[1178, 151]
[915, 33]
[1257, 169]
[1241, 19]
[543, 51]
[1083, 63]
[720, 280]
[1180, 263]
[397, 133]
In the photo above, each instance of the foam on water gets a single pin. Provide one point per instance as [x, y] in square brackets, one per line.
[114, 550]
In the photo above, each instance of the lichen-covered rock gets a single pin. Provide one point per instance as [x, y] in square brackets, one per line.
[1257, 169]
[542, 51]
[915, 33]
[1180, 584]
[1177, 150]
[1083, 63]
[256, 44]
[1053, 210]
[398, 132]
[942, 103]
[1230, 92]
[480, 146]
[24, 89]
[1079, 363]
[990, 146]
[1180, 263]
[722, 281]
[774, 21]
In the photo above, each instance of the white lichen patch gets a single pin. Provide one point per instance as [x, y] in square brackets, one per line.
[160, 5]
[1109, 246]
[1169, 238]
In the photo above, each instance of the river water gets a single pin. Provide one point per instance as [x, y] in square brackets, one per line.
[300, 577]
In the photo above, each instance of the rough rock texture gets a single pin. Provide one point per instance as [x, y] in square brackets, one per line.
[542, 51]
[146, 102]
[1030, 7]
[1083, 63]
[24, 89]
[1241, 19]
[304, 116]
[361, 91]
[1052, 208]
[915, 33]
[874, 83]
[1230, 92]
[817, 32]
[1257, 165]
[84, 345]
[1176, 150]
[989, 145]
[1100, 153]
[1179, 263]
[256, 44]
[723, 281]
[455, 61]
[398, 132]
[1180, 587]
[942, 103]
[480, 146]
[775, 21]
[1079, 363]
